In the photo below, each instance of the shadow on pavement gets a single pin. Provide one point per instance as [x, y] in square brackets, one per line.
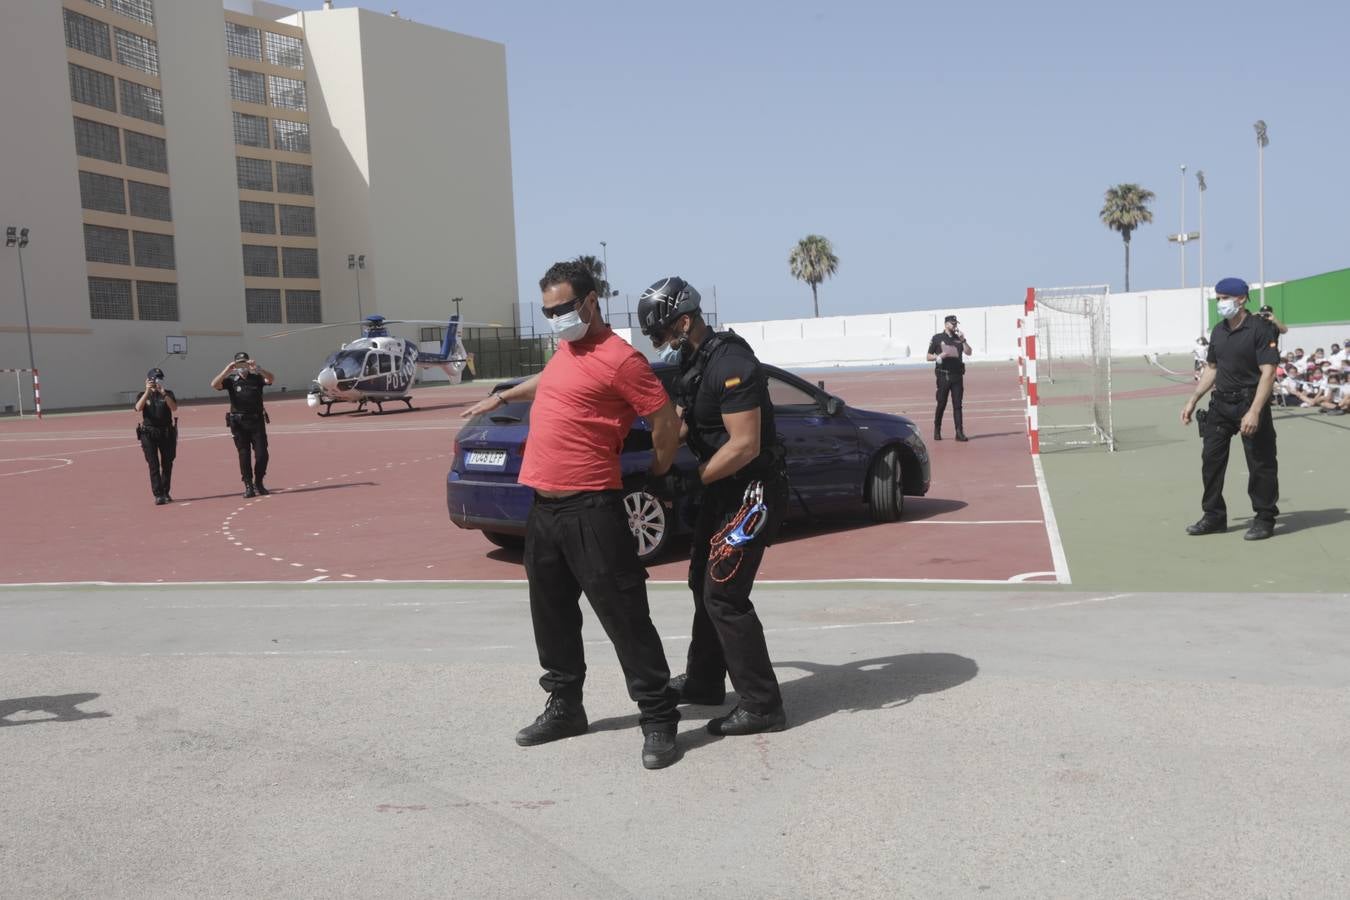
[59, 709]
[1300, 519]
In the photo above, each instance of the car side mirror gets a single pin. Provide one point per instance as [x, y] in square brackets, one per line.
[833, 406]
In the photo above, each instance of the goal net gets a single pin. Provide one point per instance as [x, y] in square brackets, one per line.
[1072, 366]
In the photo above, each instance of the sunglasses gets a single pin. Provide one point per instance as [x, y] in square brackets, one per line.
[562, 309]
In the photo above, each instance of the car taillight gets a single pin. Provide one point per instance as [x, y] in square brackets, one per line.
[456, 449]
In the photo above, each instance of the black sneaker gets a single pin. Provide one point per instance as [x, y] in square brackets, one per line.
[249, 491]
[1207, 526]
[262, 491]
[161, 500]
[937, 434]
[560, 719]
[698, 696]
[659, 749]
[742, 721]
[1260, 530]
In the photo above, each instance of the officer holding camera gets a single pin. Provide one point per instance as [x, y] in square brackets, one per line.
[723, 397]
[158, 433]
[1243, 354]
[247, 419]
[946, 350]
[1268, 313]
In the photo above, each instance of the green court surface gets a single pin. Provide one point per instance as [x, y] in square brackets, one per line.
[1122, 515]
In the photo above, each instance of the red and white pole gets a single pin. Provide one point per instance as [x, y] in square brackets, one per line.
[1021, 361]
[37, 393]
[1029, 340]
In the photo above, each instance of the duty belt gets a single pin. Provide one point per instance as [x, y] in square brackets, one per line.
[1236, 396]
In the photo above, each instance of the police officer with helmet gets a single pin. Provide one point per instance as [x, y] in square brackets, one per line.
[1243, 354]
[247, 419]
[723, 398]
[946, 350]
[158, 433]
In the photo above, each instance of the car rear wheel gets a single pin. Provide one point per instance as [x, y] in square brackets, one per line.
[885, 494]
[649, 520]
[507, 541]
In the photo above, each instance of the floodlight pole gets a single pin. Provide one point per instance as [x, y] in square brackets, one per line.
[1262, 140]
[604, 252]
[356, 264]
[1182, 229]
[17, 237]
[1204, 311]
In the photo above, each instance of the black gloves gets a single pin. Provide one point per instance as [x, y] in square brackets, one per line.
[667, 486]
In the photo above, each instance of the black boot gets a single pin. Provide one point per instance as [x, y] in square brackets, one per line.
[937, 433]
[560, 719]
[961, 435]
[659, 749]
[742, 721]
[258, 486]
[248, 490]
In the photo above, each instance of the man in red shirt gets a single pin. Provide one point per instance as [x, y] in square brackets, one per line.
[577, 537]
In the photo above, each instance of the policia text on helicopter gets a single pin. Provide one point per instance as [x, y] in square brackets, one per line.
[247, 419]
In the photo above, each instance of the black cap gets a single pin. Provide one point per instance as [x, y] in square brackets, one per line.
[155, 373]
[1267, 309]
[951, 319]
[241, 356]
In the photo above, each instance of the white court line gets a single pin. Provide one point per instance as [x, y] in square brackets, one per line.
[1051, 526]
[967, 522]
[56, 459]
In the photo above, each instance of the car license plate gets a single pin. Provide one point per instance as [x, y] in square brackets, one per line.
[494, 458]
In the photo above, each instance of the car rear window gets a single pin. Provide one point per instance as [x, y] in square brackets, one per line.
[510, 414]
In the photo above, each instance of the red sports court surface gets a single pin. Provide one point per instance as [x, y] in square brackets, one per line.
[362, 497]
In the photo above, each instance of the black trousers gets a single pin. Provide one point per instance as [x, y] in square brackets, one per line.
[952, 383]
[1263, 483]
[727, 637]
[160, 446]
[250, 439]
[581, 544]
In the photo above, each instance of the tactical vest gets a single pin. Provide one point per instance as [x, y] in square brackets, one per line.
[246, 396]
[772, 459]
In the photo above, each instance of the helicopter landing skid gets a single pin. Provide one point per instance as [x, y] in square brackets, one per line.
[379, 404]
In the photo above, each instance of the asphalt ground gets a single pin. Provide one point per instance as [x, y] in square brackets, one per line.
[1163, 727]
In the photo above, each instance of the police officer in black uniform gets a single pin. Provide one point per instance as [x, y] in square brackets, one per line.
[1243, 354]
[723, 398]
[247, 419]
[946, 350]
[158, 433]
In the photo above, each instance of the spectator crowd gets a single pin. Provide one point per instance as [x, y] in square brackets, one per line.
[1318, 379]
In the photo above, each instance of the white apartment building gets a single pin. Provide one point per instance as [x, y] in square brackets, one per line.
[191, 169]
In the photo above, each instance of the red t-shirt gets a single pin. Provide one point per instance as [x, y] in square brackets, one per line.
[585, 403]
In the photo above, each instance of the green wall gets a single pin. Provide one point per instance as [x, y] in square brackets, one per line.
[1318, 300]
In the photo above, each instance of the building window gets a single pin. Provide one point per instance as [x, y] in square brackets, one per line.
[251, 131]
[157, 301]
[261, 262]
[102, 192]
[302, 307]
[295, 178]
[248, 87]
[107, 245]
[284, 50]
[97, 141]
[432, 334]
[137, 52]
[292, 136]
[103, 4]
[299, 262]
[257, 218]
[262, 306]
[288, 93]
[242, 41]
[153, 251]
[145, 151]
[89, 35]
[150, 201]
[92, 88]
[142, 102]
[109, 298]
[253, 174]
[140, 10]
[297, 220]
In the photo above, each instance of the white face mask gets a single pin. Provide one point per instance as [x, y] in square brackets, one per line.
[1229, 308]
[570, 326]
[671, 352]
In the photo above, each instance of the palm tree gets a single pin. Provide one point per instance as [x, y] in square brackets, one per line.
[812, 261]
[597, 269]
[1125, 210]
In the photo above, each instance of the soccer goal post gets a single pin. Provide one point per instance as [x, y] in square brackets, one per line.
[1067, 345]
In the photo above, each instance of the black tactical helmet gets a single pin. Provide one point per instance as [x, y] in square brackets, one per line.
[664, 302]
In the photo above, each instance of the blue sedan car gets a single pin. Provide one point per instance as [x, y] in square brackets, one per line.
[841, 461]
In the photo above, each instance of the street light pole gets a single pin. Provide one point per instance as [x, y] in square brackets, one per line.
[356, 264]
[1261, 141]
[1182, 229]
[17, 237]
[1204, 311]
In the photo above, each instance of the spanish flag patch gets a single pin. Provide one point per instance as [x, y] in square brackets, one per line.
[731, 382]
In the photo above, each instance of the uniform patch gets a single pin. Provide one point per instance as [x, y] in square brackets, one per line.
[731, 382]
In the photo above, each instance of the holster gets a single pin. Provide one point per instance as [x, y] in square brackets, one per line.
[1202, 422]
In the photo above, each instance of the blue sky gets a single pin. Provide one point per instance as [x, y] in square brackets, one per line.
[954, 153]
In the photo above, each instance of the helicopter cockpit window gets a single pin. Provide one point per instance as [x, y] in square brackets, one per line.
[386, 363]
[348, 363]
[372, 364]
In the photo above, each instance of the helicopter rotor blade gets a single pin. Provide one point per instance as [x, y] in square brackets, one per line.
[291, 331]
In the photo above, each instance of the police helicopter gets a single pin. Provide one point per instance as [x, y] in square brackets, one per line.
[379, 368]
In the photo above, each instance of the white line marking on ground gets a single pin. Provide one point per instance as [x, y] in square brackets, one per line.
[1051, 526]
[316, 579]
[56, 459]
[1027, 576]
[982, 522]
